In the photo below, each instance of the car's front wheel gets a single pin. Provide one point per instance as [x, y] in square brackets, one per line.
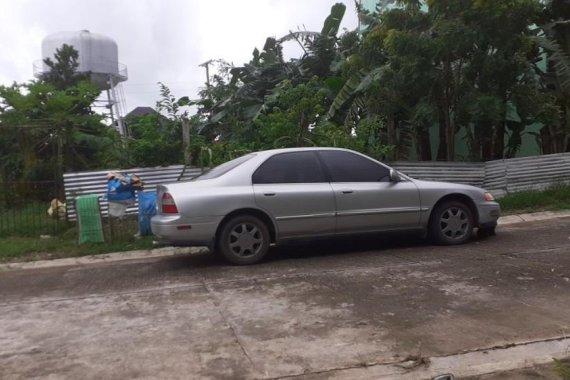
[451, 223]
[243, 240]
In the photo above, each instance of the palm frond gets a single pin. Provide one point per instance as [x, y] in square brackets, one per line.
[356, 84]
[345, 94]
[299, 36]
[356, 111]
[331, 25]
[559, 58]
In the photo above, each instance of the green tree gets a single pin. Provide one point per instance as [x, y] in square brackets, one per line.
[48, 128]
[461, 65]
[293, 116]
[553, 37]
[240, 95]
[62, 72]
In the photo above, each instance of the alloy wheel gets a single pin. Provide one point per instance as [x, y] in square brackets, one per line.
[454, 223]
[245, 239]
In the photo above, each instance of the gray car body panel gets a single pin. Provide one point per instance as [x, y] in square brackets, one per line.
[309, 209]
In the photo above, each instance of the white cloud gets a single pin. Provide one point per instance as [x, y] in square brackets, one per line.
[159, 40]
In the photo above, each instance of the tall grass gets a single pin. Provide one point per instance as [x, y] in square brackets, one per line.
[557, 197]
[29, 233]
[30, 220]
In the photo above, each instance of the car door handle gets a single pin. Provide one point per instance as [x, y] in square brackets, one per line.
[269, 194]
[346, 191]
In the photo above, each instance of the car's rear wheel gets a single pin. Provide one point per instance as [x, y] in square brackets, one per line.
[451, 223]
[243, 240]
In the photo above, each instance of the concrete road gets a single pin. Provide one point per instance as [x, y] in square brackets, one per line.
[368, 308]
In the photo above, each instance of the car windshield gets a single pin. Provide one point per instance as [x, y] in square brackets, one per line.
[223, 168]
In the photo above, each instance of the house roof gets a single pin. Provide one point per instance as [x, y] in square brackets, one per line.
[141, 111]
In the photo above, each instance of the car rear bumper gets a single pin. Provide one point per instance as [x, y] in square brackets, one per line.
[197, 231]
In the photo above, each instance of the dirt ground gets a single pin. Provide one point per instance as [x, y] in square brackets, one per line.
[376, 307]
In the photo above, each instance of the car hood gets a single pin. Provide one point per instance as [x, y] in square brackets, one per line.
[450, 187]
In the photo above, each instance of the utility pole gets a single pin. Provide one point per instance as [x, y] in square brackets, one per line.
[186, 140]
[207, 66]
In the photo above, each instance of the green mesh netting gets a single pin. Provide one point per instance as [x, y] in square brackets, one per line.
[89, 219]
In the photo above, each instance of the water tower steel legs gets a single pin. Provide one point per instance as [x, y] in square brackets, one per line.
[110, 106]
[114, 103]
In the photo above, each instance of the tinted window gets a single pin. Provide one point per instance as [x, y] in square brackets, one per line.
[224, 168]
[295, 167]
[349, 167]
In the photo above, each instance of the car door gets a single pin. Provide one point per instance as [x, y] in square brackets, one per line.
[366, 199]
[293, 189]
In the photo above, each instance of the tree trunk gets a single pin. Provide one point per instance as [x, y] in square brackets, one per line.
[423, 144]
[446, 104]
[450, 139]
[391, 134]
[486, 143]
[186, 141]
[442, 149]
[499, 140]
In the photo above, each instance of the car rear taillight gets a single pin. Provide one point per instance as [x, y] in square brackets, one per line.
[168, 205]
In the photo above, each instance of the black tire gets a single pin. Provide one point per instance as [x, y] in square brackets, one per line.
[486, 232]
[243, 240]
[451, 223]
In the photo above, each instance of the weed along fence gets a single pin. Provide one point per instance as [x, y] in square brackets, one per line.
[26, 209]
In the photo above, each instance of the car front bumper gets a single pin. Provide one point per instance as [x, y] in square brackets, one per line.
[489, 213]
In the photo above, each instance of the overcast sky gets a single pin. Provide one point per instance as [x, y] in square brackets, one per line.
[158, 40]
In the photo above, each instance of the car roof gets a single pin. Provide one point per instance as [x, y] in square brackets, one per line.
[272, 152]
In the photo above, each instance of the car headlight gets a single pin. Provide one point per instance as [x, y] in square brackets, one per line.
[489, 197]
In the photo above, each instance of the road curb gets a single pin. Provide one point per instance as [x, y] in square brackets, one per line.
[179, 251]
[104, 258]
[532, 217]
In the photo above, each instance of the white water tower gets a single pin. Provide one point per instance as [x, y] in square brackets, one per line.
[99, 59]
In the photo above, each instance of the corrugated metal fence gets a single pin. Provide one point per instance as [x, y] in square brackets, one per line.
[500, 177]
[528, 173]
[94, 182]
[461, 172]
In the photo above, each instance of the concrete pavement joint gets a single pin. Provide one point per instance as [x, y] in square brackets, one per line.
[333, 370]
[396, 370]
[220, 309]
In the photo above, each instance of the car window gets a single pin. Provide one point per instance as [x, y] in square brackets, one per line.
[350, 167]
[294, 167]
[223, 168]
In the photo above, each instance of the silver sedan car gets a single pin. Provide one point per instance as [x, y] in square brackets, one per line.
[243, 206]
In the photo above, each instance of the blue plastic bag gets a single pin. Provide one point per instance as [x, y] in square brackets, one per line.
[147, 208]
[119, 191]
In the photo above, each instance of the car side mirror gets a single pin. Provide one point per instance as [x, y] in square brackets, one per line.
[395, 176]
